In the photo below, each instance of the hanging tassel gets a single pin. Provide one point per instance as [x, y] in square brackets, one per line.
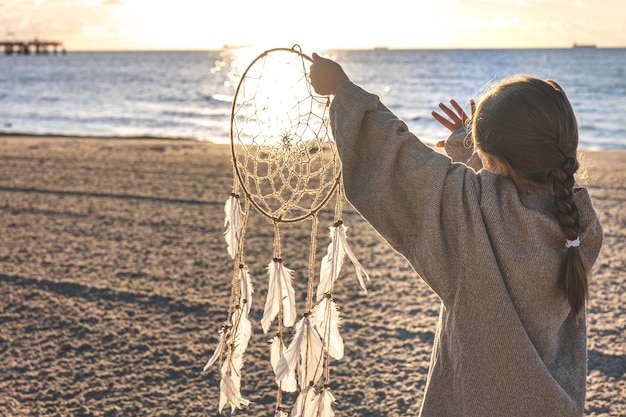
[306, 403]
[311, 365]
[230, 385]
[242, 333]
[277, 351]
[218, 349]
[325, 401]
[245, 302]
[279, 292]
[304, 353]
[331, 263]
[242, 325]
[326, 319]
[233, 223]
[361, 273]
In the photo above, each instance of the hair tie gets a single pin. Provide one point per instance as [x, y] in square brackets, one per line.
[572, 243]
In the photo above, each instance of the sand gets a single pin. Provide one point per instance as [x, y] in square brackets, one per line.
[114, 279]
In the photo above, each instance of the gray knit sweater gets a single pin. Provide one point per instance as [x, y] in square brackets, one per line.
[505, 344]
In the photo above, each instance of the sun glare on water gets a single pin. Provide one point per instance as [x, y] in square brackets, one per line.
[274, 104]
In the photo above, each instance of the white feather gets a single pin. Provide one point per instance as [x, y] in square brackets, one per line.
[246, 290]
[311, 356]
[325, 401]
[218, 351]
[233, 223]
[242, 329]
[331, 264]
[280, 292]
[272, 301]
[305, 405]
[360, 271]
[277, 351]
[289, 360]
[288, 296]
[327, 321]
[230, 385]
[305, 353]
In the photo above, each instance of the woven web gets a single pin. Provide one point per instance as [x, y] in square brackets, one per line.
[283, 151]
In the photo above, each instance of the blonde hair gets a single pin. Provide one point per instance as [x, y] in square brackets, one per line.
[528, 125]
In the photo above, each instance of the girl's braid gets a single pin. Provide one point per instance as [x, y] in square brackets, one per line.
[563, 184]
[574, 270]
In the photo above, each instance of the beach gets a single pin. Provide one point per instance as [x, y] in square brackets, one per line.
[115, 280]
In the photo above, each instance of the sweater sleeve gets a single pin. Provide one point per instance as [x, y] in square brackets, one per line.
[458, 149]
[417, 199]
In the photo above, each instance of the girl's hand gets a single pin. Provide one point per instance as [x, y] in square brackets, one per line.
[325, 75]
[456, 120]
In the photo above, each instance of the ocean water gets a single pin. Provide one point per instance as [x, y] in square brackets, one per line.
[189, 94]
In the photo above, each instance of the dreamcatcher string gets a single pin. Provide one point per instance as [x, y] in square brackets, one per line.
[311, 265]
[286, 167]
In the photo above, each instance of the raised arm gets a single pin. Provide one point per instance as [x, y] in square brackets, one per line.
[416, 198]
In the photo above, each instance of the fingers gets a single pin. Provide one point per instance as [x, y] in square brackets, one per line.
[456, 116]
[451, 126]
[453, 122]
[451, 114]
[472, 107]
[459, 110]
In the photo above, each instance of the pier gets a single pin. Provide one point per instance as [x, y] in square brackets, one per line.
[36, 46]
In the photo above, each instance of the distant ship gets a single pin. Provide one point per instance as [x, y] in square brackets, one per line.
[584, 45]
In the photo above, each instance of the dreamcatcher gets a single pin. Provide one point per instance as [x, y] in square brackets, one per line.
[285, 165]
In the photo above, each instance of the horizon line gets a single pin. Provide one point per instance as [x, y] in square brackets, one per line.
[372, 48]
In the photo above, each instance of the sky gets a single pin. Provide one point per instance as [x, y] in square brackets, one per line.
[314, 25]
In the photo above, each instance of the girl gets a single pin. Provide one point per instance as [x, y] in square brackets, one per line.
[507, 249]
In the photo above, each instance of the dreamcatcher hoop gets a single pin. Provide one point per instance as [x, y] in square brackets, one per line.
[286, 162]
[284, 158]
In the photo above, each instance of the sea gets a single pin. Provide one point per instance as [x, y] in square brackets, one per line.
[189, 94]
